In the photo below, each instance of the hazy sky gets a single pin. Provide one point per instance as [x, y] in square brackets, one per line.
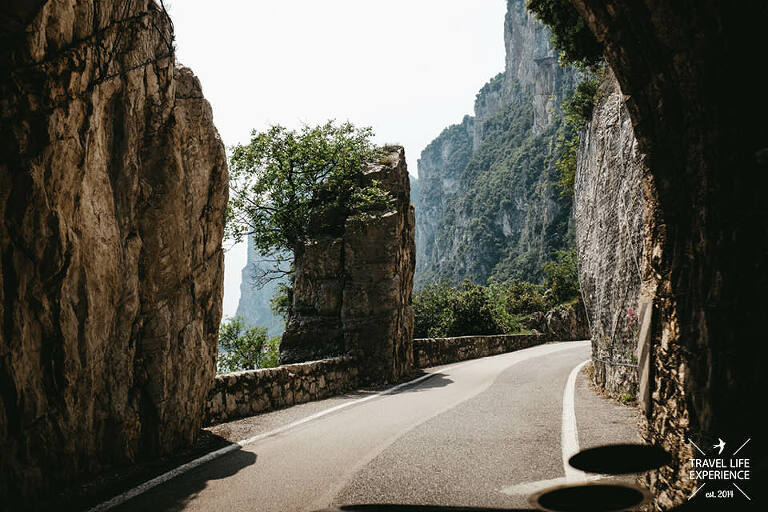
[407, 68]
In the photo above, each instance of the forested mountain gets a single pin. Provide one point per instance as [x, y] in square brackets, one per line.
[488, 201]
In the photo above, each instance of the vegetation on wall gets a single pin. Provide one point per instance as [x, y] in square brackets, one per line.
[242, 348]
[445, 310]
[577, 112]
[570, 33]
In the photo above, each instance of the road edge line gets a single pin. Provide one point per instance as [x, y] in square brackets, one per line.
[569, 440]
[169, 475]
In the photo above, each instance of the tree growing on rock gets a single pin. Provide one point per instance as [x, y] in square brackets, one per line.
[283, 181]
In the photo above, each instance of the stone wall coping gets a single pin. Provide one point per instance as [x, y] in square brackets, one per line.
[475, 336]
[287, 367]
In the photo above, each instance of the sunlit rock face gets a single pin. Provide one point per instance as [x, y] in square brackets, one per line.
[487, 204]
[698, 112]
[113, 186]
[353, 283]
[608, 221]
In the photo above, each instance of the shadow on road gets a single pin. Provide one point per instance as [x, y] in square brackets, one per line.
[87, 493]
[437, 380]
[172, 498]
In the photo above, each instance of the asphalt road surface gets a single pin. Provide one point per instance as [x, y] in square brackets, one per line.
[486, 433]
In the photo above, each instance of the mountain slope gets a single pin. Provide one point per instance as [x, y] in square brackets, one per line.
[488, 206]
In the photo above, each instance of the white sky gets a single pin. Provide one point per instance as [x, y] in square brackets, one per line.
[408, 68]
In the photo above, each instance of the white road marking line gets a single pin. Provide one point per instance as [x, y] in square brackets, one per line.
[570, 434]
[142, 488]
[146, 486]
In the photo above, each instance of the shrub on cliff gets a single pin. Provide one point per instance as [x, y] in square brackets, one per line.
[577, 111]
[242, 348]
[284, 182]
[570, 33]
[563, 276]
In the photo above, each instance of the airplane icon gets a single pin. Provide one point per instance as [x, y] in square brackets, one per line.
[720, 445]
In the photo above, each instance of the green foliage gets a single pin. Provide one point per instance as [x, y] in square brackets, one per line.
[568, 146]
[563, 276]
[570, 33]
[577, 111]
[627, 399]
[511, 166]
[442, 310]
[281, 301]
[433, 310]
[283, 180]
[520, 297]
[473, 312]
[578, 107]
[241, 348]
[369, 200]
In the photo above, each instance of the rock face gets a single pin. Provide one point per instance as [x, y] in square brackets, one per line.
[608, 220]
[352, 286]
[113, 186]
[705, 271]
[566, 322]
[486, 204]
[254, 305]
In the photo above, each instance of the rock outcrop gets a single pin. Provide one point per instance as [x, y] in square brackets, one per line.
[487, 205]
[566, 322]
[353, 283]
[608, 220]
[113, 187]
[698, 112]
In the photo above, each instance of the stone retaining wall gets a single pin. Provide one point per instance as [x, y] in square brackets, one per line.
[240, 394]
[236, 395]
[434, 351]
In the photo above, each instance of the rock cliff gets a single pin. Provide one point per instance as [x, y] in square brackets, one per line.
[705, 271]
[113, 186]
[254, 306]
[353, 283]
[608, 221]
[487, 205]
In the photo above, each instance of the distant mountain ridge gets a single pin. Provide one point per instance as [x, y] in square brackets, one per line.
[488, 205]
[254, 304]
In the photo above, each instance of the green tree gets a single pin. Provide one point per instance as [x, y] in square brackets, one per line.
[563, 276]
[433, 310]
[284, 181]
[242, 348]
[473, 312]
[281, 301]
